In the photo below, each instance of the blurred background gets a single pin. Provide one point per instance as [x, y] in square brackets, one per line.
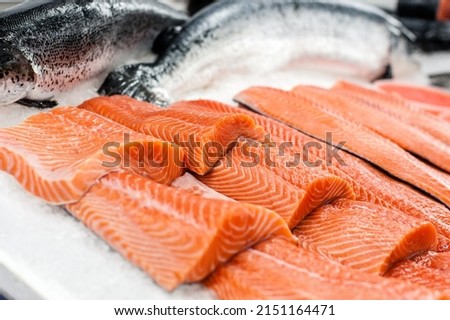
[7, 4]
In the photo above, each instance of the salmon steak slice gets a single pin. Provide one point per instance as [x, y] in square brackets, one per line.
[244, 175]
[408, 137]
[365, 236]
[278, 270]
[398, 107]
[307, 116]
[368, 183]
[58, 155]
[430, 269]
[205, 137]
[173, 235]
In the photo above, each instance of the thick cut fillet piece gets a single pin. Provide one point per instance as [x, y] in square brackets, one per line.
[368, 183]
[173, 235]
[249, 128]
[378, 188]
[430, 269]
[406, 136]
[245, 175]
[429, 99]
[59, 154]
[278, 270]
[417, 93]
[398, 107]
[205, 137]
[365, 236]
[307, 116]
[442, 113]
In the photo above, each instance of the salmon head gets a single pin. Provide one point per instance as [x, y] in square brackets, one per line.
[17, 77]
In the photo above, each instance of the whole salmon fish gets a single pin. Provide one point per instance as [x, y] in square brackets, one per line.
[257, 37]
[47, 47]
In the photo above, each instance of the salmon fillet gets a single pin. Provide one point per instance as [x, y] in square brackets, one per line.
[412, 92]
[278, 270]
[58, 155]
[365, 236]
[443, 11]
[430, 269]
[173, 235]
[428, 99]
[403, 134]
[368, 183]
[307, 116]
[244, 175]
[205, 137]
[398, 107]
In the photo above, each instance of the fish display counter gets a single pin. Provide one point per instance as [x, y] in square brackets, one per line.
[129, 132]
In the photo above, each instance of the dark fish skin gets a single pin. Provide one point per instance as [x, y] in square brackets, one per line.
[441, 80]
[164, 39]
[47, 47]
[196, 5]
[421, 9]
[208, 35]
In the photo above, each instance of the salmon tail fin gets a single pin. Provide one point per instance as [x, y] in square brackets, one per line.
[165, 38]
[386, 75]
[137, 81]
